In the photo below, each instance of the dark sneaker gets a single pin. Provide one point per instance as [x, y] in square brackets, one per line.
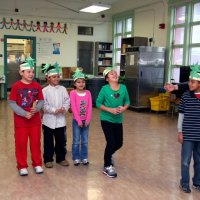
[185, 188]
[48, 164]
[64, 163]
[110, 172]
[196, 187]
[76, 162]
[85, 162]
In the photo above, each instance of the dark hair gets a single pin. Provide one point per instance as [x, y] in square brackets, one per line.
[50, 68]
[106, 76]
[21, 63]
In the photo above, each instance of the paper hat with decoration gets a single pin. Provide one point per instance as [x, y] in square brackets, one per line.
[28, 64]
[107, 70]
[78, 74]
[50, 70]
[44, 68]
[195, 72]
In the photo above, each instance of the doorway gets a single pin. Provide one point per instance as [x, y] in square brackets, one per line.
[16, 50]
[85, 56]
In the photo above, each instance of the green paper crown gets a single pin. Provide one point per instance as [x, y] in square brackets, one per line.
[53, 71]
[78, 74]
[107, 70]
[29, 64]
[45, 68]
[195, 72]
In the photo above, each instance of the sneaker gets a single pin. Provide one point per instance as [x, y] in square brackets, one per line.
[185, 188]
[64, 163]
[196, 187]
[23, 172]
[76, 162]
[38, 170]
[110, 172]
[85, 162]
[48, 164]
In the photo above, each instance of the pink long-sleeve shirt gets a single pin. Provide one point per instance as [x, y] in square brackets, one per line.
[81, 105]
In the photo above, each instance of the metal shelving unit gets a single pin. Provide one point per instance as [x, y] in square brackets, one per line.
[103, 56]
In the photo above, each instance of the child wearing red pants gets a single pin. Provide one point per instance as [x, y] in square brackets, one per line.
[26, 100]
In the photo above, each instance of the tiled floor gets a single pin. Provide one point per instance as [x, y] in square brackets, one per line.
[148, 165]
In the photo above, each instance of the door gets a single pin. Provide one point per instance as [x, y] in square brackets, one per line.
[16, 50]
[85, 56]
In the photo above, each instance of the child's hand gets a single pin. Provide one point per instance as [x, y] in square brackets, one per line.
[84, 123]
[60, 110]
[121, 109]
[28, 115]
[87, 124]
[180, 137]
[114, 111]
[33, 111]
[170, 87]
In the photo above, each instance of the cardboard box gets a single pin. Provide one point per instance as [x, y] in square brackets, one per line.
[66, 72]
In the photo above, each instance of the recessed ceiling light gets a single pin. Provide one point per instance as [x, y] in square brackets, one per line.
[95, 8]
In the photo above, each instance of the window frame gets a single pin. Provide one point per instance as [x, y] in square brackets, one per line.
[121, 17]
[187, 42]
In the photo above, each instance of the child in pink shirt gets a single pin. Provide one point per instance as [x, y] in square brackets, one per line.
[81, 105]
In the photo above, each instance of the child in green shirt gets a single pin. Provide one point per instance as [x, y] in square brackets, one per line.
[113, 100]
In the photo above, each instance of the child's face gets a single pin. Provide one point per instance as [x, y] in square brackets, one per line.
[194, 85]
[27, 75]
[80, 84]
[112, 76]
[54, 79]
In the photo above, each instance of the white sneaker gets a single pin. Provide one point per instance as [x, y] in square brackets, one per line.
[23, 172]
[85, 161]
[76, 162]
[39, 170]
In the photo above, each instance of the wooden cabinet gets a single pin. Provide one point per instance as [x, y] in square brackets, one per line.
[130, 42]
[103, 56]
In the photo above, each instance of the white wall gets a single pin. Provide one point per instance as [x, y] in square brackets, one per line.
[68, 56]
[146, 23]
[147, 20]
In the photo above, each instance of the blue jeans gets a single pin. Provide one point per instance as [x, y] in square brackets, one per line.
[80, 141]
[189, 148]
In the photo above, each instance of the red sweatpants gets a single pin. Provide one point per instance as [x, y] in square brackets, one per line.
[21, 140]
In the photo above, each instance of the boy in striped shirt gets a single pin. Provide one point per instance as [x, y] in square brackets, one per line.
[189, 131]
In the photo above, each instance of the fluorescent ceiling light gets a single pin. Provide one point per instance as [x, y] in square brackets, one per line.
[95, 8]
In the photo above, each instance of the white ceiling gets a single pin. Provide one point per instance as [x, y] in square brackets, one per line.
[66, 9]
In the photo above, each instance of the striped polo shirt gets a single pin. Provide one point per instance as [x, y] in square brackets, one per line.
[190, 107]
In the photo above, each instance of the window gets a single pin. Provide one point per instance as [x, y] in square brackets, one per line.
[196, 16]
[123, 27]
[178, 35]
[184, 41]
[128, 25]
[84, 30]
[195, 55]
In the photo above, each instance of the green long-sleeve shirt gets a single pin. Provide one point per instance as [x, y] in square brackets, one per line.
[112, 99]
